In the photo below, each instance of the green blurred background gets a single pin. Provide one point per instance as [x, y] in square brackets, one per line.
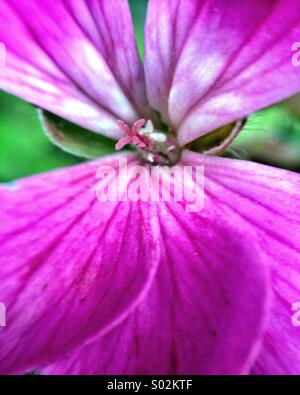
[271, 136]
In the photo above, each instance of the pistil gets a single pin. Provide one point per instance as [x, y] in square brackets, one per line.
[155, 147]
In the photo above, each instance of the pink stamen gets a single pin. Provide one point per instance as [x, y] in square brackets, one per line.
[132, 135]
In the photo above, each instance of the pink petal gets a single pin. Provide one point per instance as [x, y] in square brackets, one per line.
[211, 62]
[266, 202]
[78, 60]
[70, 266]
[205, 312]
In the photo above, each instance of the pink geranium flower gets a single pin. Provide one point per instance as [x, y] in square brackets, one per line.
[142, 287]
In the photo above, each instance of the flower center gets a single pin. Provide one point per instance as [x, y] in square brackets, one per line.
[155, 147]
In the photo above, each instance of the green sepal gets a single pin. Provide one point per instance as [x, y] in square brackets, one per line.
[75, 139]
[218, 140]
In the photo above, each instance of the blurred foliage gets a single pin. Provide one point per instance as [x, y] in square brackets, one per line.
[270, 136]
[24, 148]
[138, 10]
